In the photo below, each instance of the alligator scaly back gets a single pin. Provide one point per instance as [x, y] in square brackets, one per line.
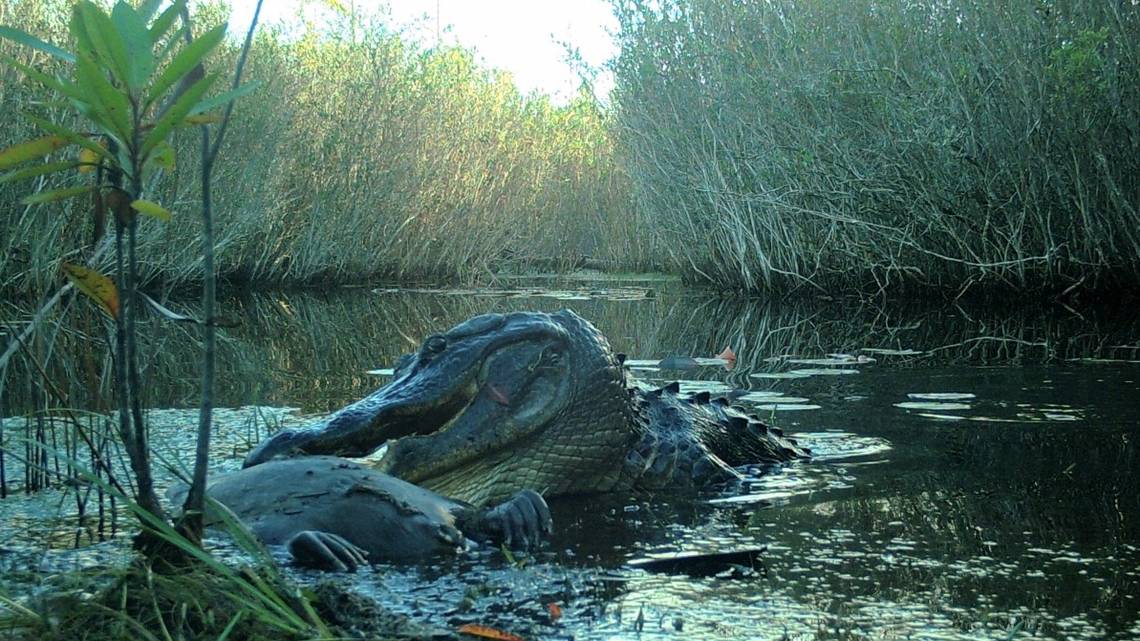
[692, 441]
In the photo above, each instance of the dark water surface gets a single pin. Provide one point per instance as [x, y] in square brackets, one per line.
[975, 475]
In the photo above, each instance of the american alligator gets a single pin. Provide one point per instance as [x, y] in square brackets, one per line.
[505, 402]
[335, 514]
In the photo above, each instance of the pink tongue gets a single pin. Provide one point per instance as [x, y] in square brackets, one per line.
[497, 395]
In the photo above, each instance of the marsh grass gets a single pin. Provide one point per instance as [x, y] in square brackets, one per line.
[358, 158]
[878, 146]
[165, 597]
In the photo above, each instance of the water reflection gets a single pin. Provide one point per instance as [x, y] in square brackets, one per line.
[975, 477]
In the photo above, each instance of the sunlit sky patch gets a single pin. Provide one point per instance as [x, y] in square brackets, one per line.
[527, 38]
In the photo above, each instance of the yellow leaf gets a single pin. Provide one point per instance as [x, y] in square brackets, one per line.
[98, 287]
[152, 209]
[203, 119]
[88, 159]
[31, 150]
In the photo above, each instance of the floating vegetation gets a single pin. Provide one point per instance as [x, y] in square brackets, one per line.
[763, 396]
[933, 406]
[837, 446]
[639, 363]
[833, 360]
[779, 375]
[943, 417]
[823, 372]
[941, 396]
[882, 351]
[786, 407]
[676, 362]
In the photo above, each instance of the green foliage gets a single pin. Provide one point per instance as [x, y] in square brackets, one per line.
[125, 84]
[1077, 67]
[114, 86]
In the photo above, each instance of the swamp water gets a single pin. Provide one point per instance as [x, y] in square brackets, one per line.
[975, 476]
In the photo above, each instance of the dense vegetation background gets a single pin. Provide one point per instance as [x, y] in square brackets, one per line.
[868, 143]
[748, 145]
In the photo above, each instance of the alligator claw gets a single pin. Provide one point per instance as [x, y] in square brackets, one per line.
[522, 522]
[325, 551]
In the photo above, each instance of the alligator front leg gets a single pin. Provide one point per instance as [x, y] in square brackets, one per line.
[522, 522]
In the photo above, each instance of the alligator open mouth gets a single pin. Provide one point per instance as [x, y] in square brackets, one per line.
[480, 386]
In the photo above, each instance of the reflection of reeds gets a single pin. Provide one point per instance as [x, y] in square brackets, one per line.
[313, 351]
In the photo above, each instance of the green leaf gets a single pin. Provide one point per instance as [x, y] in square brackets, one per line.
[221, 99]
[176, 113]
[30, 150]
[38, 170]
[74, 137]
[110, 108]
[152, 209]
[164, 20]
[53, 195]
[163, 156]
[59, 86]
[136, 40]
[108, 46]
[78, 30]
[184, 61]
[28, 40]
[148, 7]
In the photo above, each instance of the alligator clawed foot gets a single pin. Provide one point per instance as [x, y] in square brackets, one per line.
[522, 522]
[325, 551]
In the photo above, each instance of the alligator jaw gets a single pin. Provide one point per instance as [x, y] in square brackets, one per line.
[486, 372]
[512, 403]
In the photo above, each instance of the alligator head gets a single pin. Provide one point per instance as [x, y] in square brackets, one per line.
[497, 403]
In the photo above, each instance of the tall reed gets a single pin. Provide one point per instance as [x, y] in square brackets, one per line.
[862, 144]
[362, 157]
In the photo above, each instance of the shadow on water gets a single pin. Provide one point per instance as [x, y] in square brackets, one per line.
[975, 475]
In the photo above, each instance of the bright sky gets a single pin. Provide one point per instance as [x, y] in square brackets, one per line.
[524, 37]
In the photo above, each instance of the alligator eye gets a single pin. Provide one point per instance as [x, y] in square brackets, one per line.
[434, 345]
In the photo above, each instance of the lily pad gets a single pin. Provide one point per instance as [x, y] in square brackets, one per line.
[934, 406]
[823, 361]
[941, 396]
[891, 352]
[1063, 418]
[759, 396]
[823, 372]
[943, 417]
[639, 363]
[769, 397]
[779, 375]
[786, 407]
